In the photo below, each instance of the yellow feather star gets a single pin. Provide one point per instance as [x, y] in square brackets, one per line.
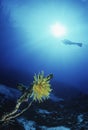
[41, 87]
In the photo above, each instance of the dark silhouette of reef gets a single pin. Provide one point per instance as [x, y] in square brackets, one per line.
[71, 113]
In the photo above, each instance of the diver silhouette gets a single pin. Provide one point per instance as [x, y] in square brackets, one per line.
[68, 42]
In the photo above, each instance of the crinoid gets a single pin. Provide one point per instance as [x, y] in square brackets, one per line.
[41, 87]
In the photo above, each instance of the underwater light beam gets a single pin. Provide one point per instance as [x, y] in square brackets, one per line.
[58, 30]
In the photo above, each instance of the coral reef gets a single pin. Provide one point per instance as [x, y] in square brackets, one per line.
[40, 89]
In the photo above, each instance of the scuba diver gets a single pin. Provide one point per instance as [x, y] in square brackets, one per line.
[68, 42]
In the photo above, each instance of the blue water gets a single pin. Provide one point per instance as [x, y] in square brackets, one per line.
[27, 47]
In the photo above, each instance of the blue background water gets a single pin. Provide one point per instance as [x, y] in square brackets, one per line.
[27, 47]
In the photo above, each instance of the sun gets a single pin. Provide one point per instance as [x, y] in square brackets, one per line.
[58, 30]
